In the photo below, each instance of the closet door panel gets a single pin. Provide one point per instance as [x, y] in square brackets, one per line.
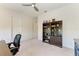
[17, 28]
[5, 27]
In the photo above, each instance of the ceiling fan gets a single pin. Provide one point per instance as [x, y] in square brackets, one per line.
[32, 5]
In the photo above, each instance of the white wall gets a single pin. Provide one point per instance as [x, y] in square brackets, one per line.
[70, 17]
[35, 29]
[21, 24]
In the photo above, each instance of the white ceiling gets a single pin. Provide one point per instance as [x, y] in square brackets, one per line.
[30, 10]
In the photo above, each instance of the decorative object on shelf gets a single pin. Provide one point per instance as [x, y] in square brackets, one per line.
[46, 21]
[53, 20]
[49, 20]
[57, 25]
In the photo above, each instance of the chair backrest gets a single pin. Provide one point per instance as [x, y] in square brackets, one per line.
[17, 40]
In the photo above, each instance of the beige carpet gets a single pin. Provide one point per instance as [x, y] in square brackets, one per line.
[37, 48]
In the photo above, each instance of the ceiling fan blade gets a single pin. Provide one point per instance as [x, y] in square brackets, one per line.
[33, 3]
[27, 4]
[36, 8]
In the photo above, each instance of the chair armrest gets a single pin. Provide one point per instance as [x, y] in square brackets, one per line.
[14, 48]
[9, 44]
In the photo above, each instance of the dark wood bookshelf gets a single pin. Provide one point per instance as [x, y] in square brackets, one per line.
[52, 33]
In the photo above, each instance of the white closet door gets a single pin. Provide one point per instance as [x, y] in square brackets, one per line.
[17, 25]
[5, 27]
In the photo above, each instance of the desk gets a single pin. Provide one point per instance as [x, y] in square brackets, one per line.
[4, 50]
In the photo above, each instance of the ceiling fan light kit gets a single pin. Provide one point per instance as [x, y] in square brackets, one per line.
[32, 5]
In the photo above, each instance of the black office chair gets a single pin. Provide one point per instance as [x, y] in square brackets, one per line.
[16, 44]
